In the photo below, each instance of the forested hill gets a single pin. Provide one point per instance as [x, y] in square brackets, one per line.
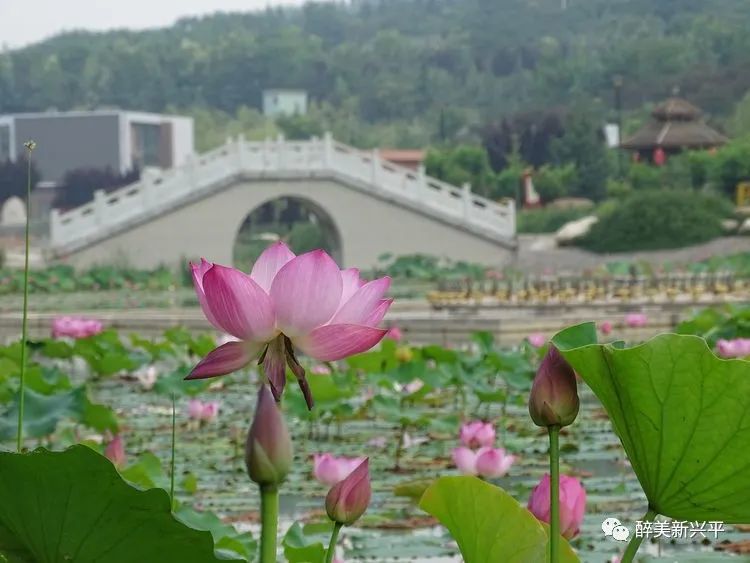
[401, 60]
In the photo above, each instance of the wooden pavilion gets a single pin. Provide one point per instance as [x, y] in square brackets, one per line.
[675, 125]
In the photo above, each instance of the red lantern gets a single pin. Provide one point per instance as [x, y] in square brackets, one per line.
[660, 156]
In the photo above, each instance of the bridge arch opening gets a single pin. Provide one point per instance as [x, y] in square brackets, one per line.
[299, 222]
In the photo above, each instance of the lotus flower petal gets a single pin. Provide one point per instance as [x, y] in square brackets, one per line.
[466, 460]
[225, 359]
[306, 293]
[238, 304]
[333, 342]
[359, 308]
[269, 263]
[351, 282]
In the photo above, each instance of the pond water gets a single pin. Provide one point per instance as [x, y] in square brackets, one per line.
[394, 529]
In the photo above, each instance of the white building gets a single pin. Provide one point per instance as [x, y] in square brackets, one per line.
[284, 102]
[115, 139]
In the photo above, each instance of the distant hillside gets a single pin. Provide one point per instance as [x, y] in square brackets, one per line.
[452, 62]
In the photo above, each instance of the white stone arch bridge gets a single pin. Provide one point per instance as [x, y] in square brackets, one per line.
[197, 209]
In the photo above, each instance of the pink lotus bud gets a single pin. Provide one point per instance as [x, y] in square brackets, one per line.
[268, 450]
[477, 434]
[537, 339]
[605, 327]
[348, 500]
[572, 503]
[115, 451]
[554, 398]
[195, 409]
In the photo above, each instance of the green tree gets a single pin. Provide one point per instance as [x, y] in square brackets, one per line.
[583, 145]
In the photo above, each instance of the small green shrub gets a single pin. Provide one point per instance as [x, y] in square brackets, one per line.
[654, 220]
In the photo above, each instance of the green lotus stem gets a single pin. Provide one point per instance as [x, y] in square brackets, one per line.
[171, 472]
[24, 323]
[269, 521]
[554, 493]
[332, 543]
[635, 541]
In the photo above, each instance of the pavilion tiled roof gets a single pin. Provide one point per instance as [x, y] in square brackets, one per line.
[675, 124]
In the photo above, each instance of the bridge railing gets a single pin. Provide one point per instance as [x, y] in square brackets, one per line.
[159, 190]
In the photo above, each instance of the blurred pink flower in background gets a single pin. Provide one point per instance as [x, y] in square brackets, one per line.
[203, 411]
[394, 333]
[636, 320]
[605, 327]
[485, 462]
[147, 378]
[735, 348]
[320, 369]
[115, 451]
[329, 469]
[288, 303]
[537, 339]
[378, 442]
[572, 503]
[75, 327]
[413, 386]
[477, 434]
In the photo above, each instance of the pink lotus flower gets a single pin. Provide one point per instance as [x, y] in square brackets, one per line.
[735, 348]
[204, 412]
[287, 302]
[572, 503]
[329, 470]
[537, 339]
[485, 462]
[75, 327]
[394, 333]
[115, 451]
[636, 320]
[605, 327]
[477, 434]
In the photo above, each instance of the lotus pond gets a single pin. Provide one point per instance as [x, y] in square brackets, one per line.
[672, 402]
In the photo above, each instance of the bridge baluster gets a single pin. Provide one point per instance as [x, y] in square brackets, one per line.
[466, 196]
[327, 149]
[375, 160]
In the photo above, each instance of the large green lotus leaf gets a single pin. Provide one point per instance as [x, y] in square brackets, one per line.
[73, 506]
[682, 414]
[487, 523]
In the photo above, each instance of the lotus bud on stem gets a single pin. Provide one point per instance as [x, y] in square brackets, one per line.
[347, 501]
[554, 403]
[268, 457]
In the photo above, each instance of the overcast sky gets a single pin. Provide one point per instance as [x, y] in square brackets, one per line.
[23, 22]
